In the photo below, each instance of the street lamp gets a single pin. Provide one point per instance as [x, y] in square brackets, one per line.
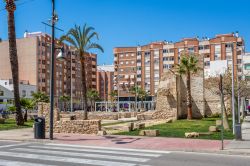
[53, 21]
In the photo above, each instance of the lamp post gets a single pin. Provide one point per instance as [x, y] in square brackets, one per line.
[52, 71]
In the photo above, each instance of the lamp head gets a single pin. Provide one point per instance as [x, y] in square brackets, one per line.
[61, 56]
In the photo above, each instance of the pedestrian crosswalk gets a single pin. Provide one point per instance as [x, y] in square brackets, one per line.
[64, 154]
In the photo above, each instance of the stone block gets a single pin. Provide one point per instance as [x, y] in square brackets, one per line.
[218, 123]
[101, 133]
[132, 125]
[141, 125]
[2, 120]
[192, 135]
[126, 128]
[151, 133]
[169, 120]
[213, 129]
[141, 133]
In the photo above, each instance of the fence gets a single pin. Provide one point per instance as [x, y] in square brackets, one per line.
[124, 106]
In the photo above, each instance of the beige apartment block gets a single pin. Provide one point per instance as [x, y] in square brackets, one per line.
[34, 53]
[144, 65]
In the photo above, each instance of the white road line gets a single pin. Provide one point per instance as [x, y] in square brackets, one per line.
[74, 154]
[97, 151]
[13, 145]
[19, 163]
[65, 159]
[110, 148]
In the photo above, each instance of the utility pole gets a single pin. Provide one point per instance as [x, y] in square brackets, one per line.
[52, 72]
[222, 112]
[233, 109]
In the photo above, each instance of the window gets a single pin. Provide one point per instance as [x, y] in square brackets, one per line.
[171, 50]
[127, 62]
[121, 63]
[5, 83]
[126, 55]
[191, 49]
[165, 51]
[132, 62]
[207, 63]
[247, 66]
[23, 93]
[121, 55]
[1, 93]
[139, 53]
[132, 54]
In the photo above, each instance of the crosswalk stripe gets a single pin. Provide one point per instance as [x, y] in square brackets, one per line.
[97, 151]
[13, 145]
[111, 148]
[74, 154]
[65, 159]
[19, 163]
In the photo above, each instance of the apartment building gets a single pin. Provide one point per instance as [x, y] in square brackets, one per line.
[34, 53]
[144, 65]
[105, 81]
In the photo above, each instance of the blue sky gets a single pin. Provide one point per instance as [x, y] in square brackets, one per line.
[134, 22]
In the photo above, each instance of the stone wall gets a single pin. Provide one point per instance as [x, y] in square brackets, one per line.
[166, 104]
[171, 97]
[78, 126]
[68, 126]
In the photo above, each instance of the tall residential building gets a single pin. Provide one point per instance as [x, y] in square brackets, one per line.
[105, 81]
[34, 53]
[144, 65]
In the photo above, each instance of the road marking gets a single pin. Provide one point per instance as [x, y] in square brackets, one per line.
[13, 145]
[74, 154]
[97, 151]
[65, 159]
[19, 163]
[111, 148]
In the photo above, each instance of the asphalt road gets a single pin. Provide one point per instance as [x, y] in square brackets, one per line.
[36, 154]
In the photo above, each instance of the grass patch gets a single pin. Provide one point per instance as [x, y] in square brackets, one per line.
[179, 127]
[11, 124]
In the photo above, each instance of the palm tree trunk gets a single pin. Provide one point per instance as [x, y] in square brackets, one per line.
[84, 86]
[10, 6]
[189, 97]
[26, 115]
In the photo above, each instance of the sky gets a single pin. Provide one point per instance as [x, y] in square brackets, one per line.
[134, 22]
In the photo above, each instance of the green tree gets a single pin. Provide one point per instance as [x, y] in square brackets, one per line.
[11, 7]
[188, 65]
[93, 96]
[26, 104]
[40, 97]
[134, 90]
[82, 39]
[64, 99]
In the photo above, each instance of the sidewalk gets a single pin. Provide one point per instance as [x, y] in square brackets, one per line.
[136, 142]
[244, 145]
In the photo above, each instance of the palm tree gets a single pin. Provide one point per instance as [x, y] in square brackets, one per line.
[188, 65]
[113, 97]
[65, 100]
[11, 7]
[142, 95]
[92, 95]
[26, 104]
[0, 40]
[134, 90]
[81, 38]
[40, 97]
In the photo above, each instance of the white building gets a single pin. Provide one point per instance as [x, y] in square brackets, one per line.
[25, 89]
[246, 66]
